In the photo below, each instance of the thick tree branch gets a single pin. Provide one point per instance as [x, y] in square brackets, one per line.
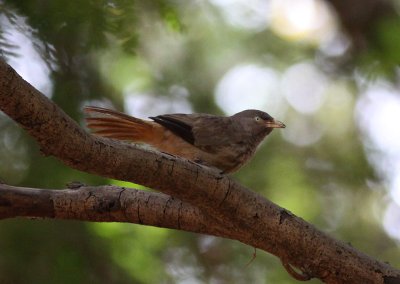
[256, 221]
[108, 204]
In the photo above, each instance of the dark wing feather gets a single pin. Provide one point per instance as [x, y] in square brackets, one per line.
[207, 132]
[179, 124]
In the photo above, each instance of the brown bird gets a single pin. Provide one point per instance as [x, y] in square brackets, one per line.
[225, 143]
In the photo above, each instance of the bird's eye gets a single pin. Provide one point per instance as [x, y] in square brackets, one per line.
[257, 118]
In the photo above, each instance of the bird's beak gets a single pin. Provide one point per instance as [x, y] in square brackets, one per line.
[275, 124]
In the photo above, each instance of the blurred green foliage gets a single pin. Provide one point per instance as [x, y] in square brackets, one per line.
[106, 52]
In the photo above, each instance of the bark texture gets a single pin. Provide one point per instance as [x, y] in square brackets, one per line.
[107, 204]
[237, 212]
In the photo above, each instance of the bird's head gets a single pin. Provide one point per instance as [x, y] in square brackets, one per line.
[256, 119]
[257, 122]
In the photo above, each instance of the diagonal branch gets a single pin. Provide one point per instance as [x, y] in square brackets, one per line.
[250, 218]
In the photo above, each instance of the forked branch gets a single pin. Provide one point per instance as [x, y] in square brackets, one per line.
[247, 216]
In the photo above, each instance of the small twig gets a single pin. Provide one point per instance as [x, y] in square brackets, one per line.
[253, 257]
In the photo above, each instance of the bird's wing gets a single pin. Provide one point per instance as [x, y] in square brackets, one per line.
[179, 124]
[213, 131]
[206, 132]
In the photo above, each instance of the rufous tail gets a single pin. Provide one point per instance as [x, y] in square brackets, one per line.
[113, 124]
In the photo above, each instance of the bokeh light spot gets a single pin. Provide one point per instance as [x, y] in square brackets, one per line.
[391, 220]
[304, 87]
[303, 20]
[249, 87]
[247, 14]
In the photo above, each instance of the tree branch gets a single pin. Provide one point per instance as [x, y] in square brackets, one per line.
[249, 217]
[108, 204]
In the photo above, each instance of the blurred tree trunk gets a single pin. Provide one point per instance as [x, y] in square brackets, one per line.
[360, 17]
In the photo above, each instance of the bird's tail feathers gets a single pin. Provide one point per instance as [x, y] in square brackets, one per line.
[113, 124]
